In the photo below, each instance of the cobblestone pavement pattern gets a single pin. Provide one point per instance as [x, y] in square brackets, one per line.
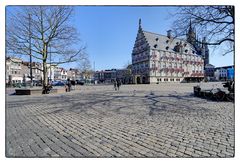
[137, 121]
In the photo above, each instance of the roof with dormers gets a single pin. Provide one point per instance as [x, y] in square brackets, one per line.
[161, 42]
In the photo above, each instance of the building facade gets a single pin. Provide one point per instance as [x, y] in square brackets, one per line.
[108, 76]
[71, 74]
[224, 73]
[230, 73]
[124, 75]
[157, 58]
[18, 71]
[60, 73]
[220, 73]
[209, 72]
[105, 76]
[13, 70]
[36, 71]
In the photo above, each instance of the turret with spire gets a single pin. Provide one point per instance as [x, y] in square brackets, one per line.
[191, 35]
[140, 24]
[205, 51]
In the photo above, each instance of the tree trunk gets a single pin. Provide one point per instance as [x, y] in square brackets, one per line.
[45, 77]
[45, 72]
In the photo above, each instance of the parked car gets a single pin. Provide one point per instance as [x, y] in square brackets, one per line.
[18, 85]
[37, 83]
[80, 82]
[58, 83]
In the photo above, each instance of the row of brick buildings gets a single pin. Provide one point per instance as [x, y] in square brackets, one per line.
[18, 71]
[108, 76]
[224, 73]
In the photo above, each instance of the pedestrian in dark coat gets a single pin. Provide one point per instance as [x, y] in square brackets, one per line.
[69, 84]
[118, 84]
[115, 84]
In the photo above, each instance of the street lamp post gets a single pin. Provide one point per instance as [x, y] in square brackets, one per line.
[50, 64]
[30, 51]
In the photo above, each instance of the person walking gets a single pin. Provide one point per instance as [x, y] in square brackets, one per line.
[73, 83]
[115, 84]
[118, 84]
[69, 85]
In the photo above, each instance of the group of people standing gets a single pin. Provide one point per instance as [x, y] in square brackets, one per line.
[70, 84]
[117, 84]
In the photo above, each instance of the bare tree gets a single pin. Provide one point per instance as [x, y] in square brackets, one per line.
[38, 31]
[216, 23]
[85, 66]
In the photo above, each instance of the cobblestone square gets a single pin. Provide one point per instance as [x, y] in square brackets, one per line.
[161, 120]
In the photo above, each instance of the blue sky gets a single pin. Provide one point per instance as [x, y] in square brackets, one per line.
[109, 32]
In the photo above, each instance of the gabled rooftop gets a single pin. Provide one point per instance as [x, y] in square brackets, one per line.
[161, 42]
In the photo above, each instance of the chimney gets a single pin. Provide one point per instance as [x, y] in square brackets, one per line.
[169, 33]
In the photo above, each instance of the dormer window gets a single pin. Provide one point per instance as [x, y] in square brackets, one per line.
[177, 43]
[167, 41]
[157, 39]
[155, 46]
[185, 45]
[167, 47]
[186, 51]
[193, 52]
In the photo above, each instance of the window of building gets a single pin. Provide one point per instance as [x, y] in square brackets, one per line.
[164, 65]
[165, 79]
[167, 47]
[171, 79]
[164, 54]
[160, 79]
[157, 39]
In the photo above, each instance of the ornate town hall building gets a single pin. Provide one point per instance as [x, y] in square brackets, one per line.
[157, 58]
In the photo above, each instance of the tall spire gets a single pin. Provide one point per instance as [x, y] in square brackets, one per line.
[139, 23]
[191, 35]
[190, 27]
[204, 42]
